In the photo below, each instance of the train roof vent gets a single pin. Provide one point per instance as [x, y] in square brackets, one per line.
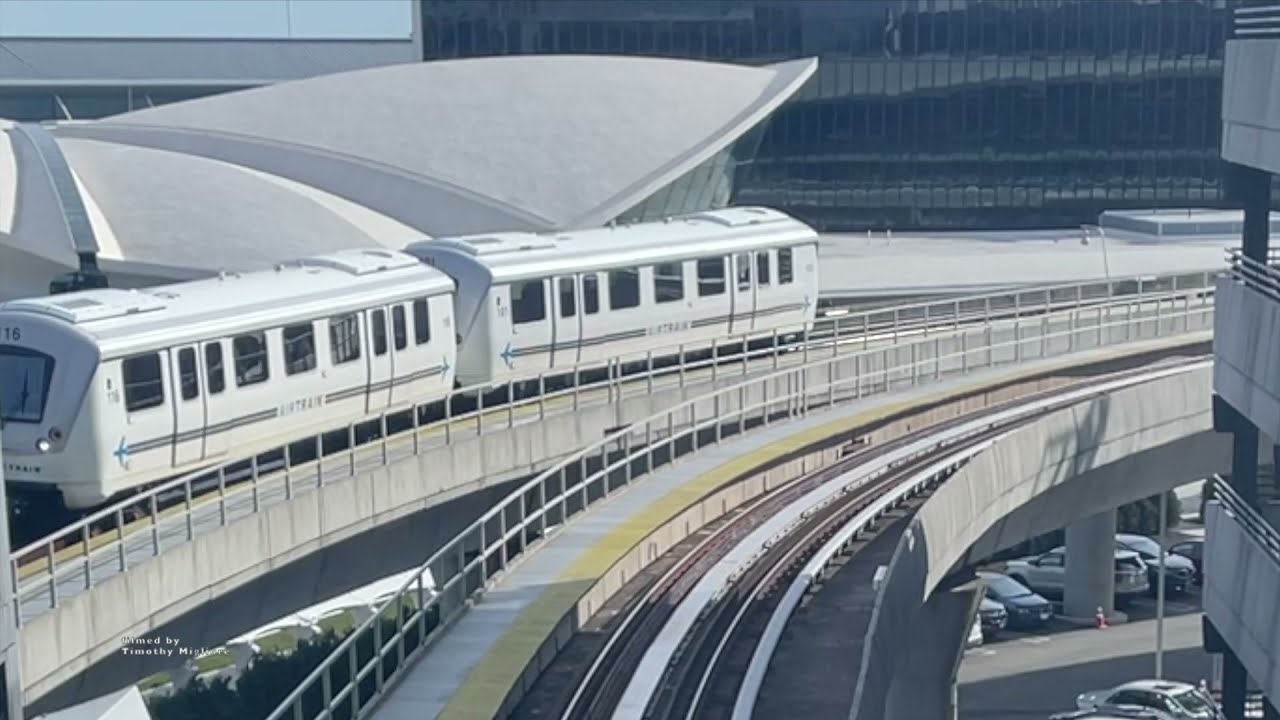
[360, 262]
[500, 243]
[736, 216]
[91, 305]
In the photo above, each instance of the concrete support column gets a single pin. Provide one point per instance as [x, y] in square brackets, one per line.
[1244, 461]
[1235, 682]
[1252, 187]
[925, 675]
[1090, 577]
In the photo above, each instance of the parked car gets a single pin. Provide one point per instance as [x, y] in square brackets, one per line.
[1192, 550]
[1114, 712]
[1025, 608]
[1179, 700]
[992, 617]
[1178, 571]
[1046, 574]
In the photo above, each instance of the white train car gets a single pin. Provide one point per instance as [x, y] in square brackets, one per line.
[104, 391]
[530, 304]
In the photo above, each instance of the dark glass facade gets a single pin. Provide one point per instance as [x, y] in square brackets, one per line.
[91, 103]
[928, 113]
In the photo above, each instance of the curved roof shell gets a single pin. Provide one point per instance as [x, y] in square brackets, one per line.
[461, 146]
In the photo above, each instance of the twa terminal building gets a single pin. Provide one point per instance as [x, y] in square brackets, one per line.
[378, 156]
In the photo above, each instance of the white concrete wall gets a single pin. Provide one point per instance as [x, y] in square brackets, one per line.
[1246, 346]
[1251, 104]
[1242, 582]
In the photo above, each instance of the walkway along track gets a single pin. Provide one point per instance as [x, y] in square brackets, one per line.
[704, 676]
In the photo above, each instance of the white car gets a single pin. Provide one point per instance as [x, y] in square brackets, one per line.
[1046, 574]
[1178, 700]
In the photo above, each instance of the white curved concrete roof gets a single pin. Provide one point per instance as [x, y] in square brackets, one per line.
[504, 143]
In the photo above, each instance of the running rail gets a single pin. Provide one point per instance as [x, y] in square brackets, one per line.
[468, 565]
[37, 569]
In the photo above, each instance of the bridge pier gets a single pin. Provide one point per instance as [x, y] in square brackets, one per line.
[1090, 579]
[924, 680]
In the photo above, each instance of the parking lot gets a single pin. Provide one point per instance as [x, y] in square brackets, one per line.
[1031, 675]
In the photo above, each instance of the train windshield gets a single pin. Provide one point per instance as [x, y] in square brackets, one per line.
[24, 384]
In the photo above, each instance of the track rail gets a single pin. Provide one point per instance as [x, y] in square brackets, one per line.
[706, 671]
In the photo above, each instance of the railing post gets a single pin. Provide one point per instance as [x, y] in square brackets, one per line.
[964, 353]
[682, 363]
[542, 392]
[648, 361]
[511, 404]
[715, 357]
[253, 463]
[417, 427]
[866, 332]
[52, 564]
[186, 492]
[577, 385]
[926, 321]
[351, 448]
[155, 526]
[288, 473]
[124, 556]
[775, 348]
[382, 431]
[88, 564]
[222, 495]
[895, 326]
[480, 412]
[955, 316]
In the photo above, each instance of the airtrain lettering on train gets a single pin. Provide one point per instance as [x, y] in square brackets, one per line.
[217, 370]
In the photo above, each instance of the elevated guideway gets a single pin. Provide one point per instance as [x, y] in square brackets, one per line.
[176, 565]
[499, 647]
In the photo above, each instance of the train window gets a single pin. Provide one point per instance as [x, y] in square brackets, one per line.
[190, 380]
[590, 294]
[785, 273]
[421, 323]
[299, 348]
[744, 271]
[344, 338]
[528, 302]
[710, 276]
[251, 359]
[379, 320]
[213, 368]
[624, 288]
[762, 268]
[399, 331]
[143, 385]
[568, 308]
[668, 282]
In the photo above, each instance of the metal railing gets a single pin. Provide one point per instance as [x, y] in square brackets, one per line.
[1248, 517]
[1257, 20]
[137, 525]
[1263, 277]
[373, 656]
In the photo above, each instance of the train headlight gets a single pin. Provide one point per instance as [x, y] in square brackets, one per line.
[42, 445]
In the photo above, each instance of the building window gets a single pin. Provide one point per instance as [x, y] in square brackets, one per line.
[143, 384]
[344, 338]
[624, 288]
[785, 273]
[299, 348]
[251, 359]
[528, 302]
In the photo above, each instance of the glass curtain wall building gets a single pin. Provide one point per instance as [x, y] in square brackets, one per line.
[928, 113]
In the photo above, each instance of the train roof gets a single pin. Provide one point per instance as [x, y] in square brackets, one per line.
[308, 287]
[516, 255]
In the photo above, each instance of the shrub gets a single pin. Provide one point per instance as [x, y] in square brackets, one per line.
[270, 678]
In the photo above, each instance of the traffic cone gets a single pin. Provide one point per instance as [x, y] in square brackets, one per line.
[1100, 619]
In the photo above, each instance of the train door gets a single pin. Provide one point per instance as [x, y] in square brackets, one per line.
[566, 334]
[190, 406]
[379, 360]
[744, 295]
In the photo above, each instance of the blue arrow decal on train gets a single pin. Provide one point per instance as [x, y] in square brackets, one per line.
[444, 366]
[507, 355]
[122, 452]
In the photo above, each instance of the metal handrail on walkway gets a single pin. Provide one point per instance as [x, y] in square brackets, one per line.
[1249, 519]
[76, 548]
[1263, 277]
[466, 566]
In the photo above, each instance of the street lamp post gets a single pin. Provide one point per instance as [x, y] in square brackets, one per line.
[1160, 590]
[1086, 231]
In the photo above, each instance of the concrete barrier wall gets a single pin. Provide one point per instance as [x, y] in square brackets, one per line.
[1044, 459]
[1250, 114]
[86, 628]
[1241, 584]
[1246, 345]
